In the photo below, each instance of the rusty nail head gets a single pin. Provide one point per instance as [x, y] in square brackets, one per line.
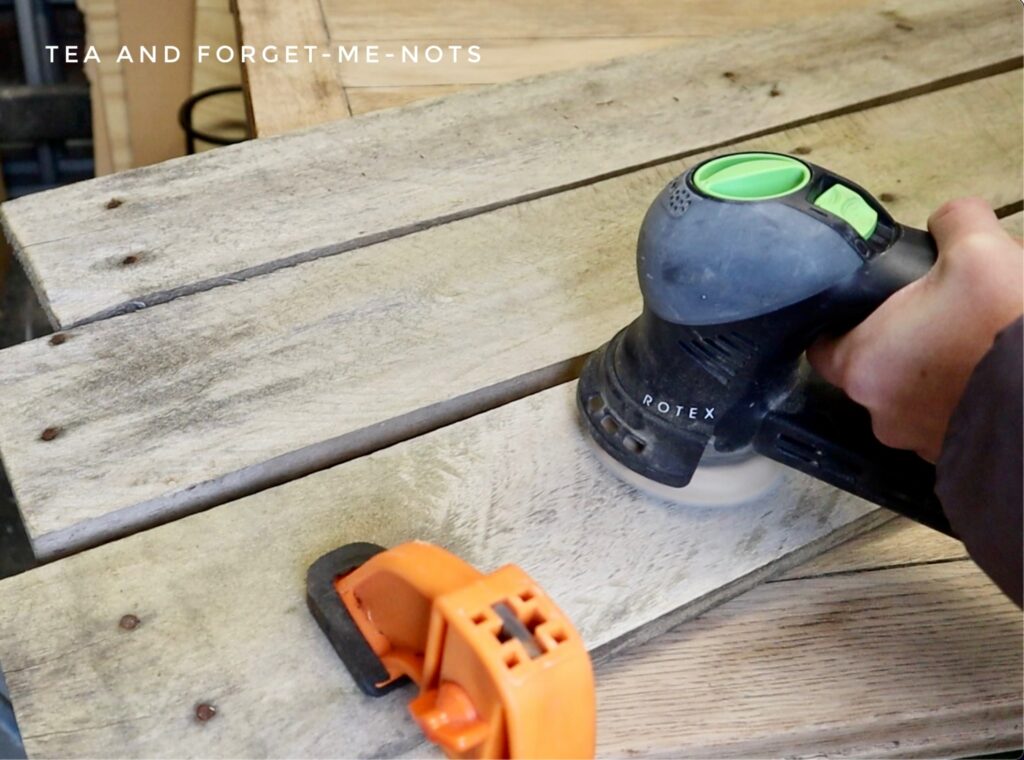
[205, 712]
[49, 434]
[129, 622]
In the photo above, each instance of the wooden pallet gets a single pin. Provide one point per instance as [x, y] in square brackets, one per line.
[419, 330]
[199, 222]
[285, 313]
[538, 38]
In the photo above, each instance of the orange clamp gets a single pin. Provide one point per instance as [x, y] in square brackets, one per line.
[501, 671]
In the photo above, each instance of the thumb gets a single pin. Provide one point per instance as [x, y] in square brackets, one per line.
[955, 221]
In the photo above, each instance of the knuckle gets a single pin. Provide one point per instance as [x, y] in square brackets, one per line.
[967, 204]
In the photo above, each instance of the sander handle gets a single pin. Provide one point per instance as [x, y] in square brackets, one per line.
[822, 433]
[818, 430]
[909, 258]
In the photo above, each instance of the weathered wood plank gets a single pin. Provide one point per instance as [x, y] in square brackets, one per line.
[918, 661]
[284, 97]
[303, 368]
[536, 39]
[295, 371]
[366, 99]
[224, 115]
[500, 60]
[109, 94]
[206, 220]
[221, 594]
[897, 543]
[135, 104]
[155, 91]
[537, 19]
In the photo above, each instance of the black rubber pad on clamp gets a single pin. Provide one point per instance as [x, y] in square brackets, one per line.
[335, 621]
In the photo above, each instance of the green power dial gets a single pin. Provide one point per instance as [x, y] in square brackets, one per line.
[761, 176]
[751, 176]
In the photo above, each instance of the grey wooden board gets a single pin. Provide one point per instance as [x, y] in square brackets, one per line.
[190, 403]
[197, 222]
[914, 661]
[221, 594]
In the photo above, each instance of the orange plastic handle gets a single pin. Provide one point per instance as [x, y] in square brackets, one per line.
[501, 670]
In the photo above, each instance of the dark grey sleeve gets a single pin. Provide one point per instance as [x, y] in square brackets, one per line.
[980, 471]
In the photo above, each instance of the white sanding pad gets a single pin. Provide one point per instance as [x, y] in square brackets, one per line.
[738, 480]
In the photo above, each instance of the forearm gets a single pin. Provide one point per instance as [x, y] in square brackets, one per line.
[979, 472]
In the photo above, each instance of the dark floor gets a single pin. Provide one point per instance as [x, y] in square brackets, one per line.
[10, 741]
[21, 319]
[15, 552]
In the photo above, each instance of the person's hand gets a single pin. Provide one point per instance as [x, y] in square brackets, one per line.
[909, 362]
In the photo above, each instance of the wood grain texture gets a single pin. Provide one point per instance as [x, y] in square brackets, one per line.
[102, 159]
[301, 369]
[107, 87]
[366, 99]
[537, 37]
[906, 662]
[435, 20]
[500, 60]
[284, 97]
[898, 543]
[212, 219]
[101, 148]
[154, 91]
[223, 115]
[532, 38]
[135, 104]
[220, 594]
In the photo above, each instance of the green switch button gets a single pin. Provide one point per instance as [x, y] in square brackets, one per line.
[849, 206]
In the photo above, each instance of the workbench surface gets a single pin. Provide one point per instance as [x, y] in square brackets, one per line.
[412, 290]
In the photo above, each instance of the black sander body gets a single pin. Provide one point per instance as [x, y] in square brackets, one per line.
[743, 261]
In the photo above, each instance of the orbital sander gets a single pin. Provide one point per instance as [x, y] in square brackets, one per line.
[743, 261]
